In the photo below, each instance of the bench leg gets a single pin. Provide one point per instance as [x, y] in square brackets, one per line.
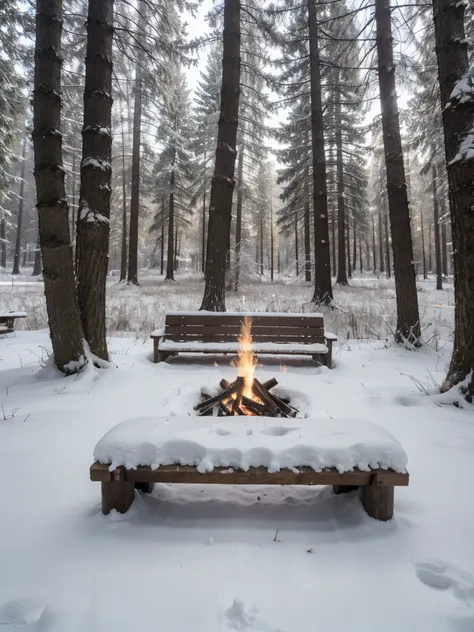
[343, 489]
[329, 354]
[156, 354]
[146, 488]
[117, 495]
[377, 501]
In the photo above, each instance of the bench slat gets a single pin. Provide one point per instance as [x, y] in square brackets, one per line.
[235, 330]
[221, 319]
[253, 476]
[221, 337]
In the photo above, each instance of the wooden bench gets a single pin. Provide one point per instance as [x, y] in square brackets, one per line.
[7, 321]
[218, 332]
[376, 487]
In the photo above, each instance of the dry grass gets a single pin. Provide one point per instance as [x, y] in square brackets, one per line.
[365, 309]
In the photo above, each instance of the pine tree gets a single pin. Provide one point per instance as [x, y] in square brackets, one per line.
[59, 285]
[93, 222]
[174, 167]
[408, 319]
[456, 83]
[223, 182]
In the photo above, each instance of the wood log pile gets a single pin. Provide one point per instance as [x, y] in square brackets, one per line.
[231, 401]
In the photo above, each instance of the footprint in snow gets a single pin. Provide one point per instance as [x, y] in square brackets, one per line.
[444, 576]
[239, 617]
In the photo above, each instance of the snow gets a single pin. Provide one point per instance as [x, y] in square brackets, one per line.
[86, 214]
[233, 347]
[283, 559]
[463, 90]
[466, 149]
[96, 163]
[12, 314]
[205, 443]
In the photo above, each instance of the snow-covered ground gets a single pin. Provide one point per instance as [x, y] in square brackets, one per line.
[216, 559]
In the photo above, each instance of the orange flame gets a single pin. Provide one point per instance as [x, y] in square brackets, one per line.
[247, 361]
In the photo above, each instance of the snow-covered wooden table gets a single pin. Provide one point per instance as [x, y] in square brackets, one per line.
[346, 454]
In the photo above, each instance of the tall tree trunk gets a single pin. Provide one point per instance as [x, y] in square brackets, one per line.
[430, 249]
[381, 253]
[261, 246]
[74, 204]
[387, 242]
[423, 249]
[272, 244]
[434, 183]
[354, 244]
[16, 258]
[222, 189]
[239, 205]
[3, 241]
[203, 233]
[162, 253]
[408, 319]
[176, 251]
[444, 249]
[458, 122]
[93, 221]
[59, 285]
[171, 238]
[348, 251]
[307, 228]
[322, 262]
[279, 262]
[374, 249]
[341, 203]
[124, 254]
[361, 267]
[136, 142]
[297, 254]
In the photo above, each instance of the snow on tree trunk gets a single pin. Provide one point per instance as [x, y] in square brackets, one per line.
[322, 262]
[223, 182]
[408, 319]
[58, 270]
[93, 219]
[456, 83]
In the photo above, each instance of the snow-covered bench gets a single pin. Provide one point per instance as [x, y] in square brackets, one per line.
[218, 332]
[7, 321]
[346, 454]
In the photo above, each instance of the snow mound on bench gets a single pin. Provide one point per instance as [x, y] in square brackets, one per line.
[243, 442]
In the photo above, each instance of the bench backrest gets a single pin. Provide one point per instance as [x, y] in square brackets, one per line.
[226, 327]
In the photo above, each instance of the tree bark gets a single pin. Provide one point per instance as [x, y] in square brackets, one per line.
[59, 285]
[348, 251]
[307, 235]
[444, 249]
[261, 246]
[123, 254]
[203, 232]
[162, 253]
[354, 245]
[16, 258]
[423, 249]
[341, 206]
[93, 221]
[408, 319]
[387, 241]
[238, 216]
[458, 122]
[3, 242]
[223, 181]
[297, 254]
[322, 262]
[439, 271]
[37, 262]
[381, 253]
[272, 244]
[374, 249]
[171, 240]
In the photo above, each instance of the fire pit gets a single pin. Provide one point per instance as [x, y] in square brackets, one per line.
[245, 396]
